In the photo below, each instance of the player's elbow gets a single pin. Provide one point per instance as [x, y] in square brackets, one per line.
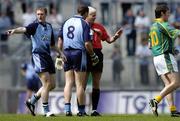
[52, 86]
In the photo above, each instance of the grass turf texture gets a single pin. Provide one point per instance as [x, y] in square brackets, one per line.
[138, 117]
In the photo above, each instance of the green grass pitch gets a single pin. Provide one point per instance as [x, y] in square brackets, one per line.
[138, 117]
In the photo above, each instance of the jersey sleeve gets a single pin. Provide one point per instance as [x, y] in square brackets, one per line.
[86, 33]
[60, 34]
[104, 33]
[172, 32]
[169, 30]
[31, 29]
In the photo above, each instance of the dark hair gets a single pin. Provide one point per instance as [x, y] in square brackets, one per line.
[42, 9]
[82, 9]
[161, 8]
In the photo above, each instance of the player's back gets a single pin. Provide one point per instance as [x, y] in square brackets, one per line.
[73, 33]
[160, 41]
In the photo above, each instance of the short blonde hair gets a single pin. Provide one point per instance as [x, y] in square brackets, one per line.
[91, 9]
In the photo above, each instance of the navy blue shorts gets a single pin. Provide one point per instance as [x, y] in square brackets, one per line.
[99, 66]
[76, 60]
[43, 63]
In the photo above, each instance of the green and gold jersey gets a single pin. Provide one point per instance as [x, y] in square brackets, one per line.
[161, 37]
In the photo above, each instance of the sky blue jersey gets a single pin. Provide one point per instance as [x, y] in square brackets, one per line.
[42, 37]
[74, 32]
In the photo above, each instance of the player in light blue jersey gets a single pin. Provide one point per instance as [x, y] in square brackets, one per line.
[41, 34]
[31, 78]
[74, 39]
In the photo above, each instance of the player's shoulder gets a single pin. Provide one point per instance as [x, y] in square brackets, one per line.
[98, 25]
[48, 23]
[75, 17]
[33, 24]
[70, 20]
[85, 22]
[79, 17]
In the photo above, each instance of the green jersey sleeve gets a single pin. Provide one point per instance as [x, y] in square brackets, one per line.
[169, 30]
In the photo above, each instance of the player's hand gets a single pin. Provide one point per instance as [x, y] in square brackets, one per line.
[98, 31]
[63, 57]
[59, 63]
[118, 33]
[10, 32]
[94, 59]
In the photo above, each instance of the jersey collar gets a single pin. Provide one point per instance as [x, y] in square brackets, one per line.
[159, 20]
[78, 16]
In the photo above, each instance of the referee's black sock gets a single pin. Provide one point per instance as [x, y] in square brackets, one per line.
[95, 98]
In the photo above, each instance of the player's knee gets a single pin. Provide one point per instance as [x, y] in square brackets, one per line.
[69, 84]
[50, 86]
[53, 86]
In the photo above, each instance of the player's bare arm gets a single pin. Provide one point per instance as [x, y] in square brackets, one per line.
[89, 48]
[60, 44]
[60, 48]
[116, 36]
[18, 30]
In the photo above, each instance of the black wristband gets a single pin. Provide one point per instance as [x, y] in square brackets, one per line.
[93, 55]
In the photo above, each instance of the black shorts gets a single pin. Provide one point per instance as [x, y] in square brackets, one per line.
[99, 66]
